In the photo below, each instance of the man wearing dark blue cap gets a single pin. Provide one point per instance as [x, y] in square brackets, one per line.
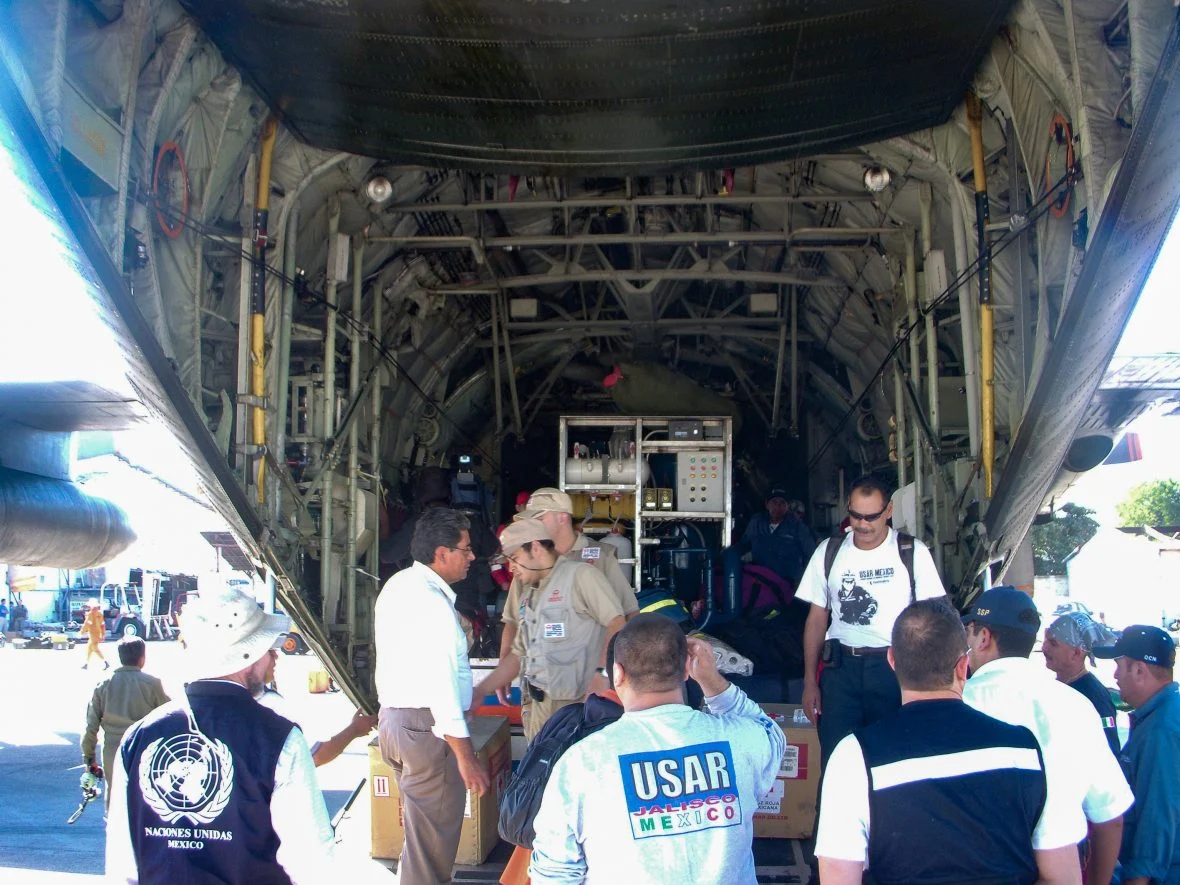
[777, 539]
[1084, 779]
[1144, 658]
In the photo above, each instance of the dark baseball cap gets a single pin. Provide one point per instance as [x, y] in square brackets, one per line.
[1142, 643]
[776, 493]
[1004, 606]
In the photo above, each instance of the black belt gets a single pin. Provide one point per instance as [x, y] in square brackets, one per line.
[861, 651]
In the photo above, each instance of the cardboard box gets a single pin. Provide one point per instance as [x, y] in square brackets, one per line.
[788, 811]
[489, 737]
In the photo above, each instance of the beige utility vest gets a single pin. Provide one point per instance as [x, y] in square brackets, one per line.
[562, 646]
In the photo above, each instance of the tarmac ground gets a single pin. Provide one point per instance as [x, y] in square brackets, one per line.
[44, 694]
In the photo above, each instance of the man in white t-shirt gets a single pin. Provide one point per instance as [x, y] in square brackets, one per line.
[864, 590]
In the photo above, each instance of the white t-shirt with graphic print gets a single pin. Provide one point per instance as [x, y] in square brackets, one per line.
[867, 589]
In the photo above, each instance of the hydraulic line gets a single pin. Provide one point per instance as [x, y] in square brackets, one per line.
[961, 279]
[987, 334]
[309, 294]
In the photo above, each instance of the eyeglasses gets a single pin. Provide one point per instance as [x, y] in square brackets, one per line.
[466, 549]
[867, 517]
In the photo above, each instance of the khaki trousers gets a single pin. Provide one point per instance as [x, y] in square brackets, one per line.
[534, 714]
[110, 750]
[433, 794]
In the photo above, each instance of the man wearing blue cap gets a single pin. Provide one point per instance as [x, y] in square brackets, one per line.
[777, 539]
[1144, 658]
[1084, 779]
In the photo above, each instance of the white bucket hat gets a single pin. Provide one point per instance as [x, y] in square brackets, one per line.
[226, 632]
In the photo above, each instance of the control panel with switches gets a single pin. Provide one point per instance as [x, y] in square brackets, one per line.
[700, 481]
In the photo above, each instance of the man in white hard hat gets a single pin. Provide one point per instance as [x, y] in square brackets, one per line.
[218, 786]
[567, 617]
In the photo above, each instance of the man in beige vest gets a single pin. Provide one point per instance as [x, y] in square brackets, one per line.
[555, 510]
[567, 615]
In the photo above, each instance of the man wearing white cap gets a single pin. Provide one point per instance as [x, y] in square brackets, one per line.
[554, 508]
[219, 788]
[567, 617]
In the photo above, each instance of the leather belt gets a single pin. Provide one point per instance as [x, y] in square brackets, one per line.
[864, 650]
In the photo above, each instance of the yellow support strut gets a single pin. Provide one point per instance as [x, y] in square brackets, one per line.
[258, 303]
[987, 337]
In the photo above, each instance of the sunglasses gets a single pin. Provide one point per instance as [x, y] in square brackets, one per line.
[867, 517]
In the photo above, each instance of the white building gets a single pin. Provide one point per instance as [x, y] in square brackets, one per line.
[1128, 575]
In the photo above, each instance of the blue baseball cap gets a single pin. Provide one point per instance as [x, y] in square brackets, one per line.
[1142, 643]
[1004, 606]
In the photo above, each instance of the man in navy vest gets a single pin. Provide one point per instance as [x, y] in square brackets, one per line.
[219, 788]
[939, 792]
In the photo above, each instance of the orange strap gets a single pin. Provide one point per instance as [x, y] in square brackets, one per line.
[172, 228]
[1061, 132]
[516, 872]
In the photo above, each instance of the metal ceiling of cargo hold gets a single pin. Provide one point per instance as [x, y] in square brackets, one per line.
[605, 86]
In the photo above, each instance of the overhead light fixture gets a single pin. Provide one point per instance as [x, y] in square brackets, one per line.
[763, 303]
[379, 189]
[522, 308]
[877, 178]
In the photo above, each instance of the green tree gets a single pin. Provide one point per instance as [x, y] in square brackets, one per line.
[1152, 503]
[1052, 541]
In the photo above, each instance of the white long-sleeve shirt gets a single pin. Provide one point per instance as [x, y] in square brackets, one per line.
[421, 650]
[297, 811]
[662, 795]
[1084, 779]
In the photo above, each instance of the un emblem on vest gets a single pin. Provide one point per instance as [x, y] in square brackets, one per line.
[186, 776]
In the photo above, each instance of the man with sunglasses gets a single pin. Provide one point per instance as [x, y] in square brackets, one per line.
[568, 613]
[864, 591]
[424, 688]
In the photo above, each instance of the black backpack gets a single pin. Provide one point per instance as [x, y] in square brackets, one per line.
[905, 548]
[522, 797]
